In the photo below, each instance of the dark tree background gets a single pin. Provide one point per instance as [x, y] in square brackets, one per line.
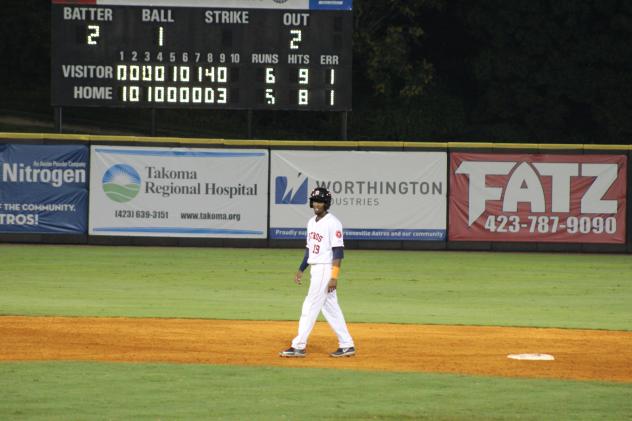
[529, 71]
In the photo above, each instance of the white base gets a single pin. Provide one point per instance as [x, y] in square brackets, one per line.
[532, 357]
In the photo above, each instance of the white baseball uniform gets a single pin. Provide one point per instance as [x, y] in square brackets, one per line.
[322, 236]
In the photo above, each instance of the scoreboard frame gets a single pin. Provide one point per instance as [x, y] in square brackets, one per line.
[202, 54]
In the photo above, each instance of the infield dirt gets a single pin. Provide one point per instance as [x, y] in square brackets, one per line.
[579, 354]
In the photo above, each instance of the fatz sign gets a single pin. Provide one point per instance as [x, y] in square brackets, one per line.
[544, 198]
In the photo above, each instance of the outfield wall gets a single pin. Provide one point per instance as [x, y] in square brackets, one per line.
[390, 195]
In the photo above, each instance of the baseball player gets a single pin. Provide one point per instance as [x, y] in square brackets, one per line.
[323, 252]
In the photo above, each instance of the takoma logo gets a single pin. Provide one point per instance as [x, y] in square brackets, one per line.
[291, 194]
[121, 183]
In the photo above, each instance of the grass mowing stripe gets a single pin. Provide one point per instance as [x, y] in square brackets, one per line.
[66, 390]
[503, 289]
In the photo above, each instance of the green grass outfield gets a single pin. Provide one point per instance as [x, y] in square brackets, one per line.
[466, 288]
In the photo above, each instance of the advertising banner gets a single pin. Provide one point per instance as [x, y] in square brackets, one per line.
[43, 188]
[376, 195]
[178, 192]
[538, 198]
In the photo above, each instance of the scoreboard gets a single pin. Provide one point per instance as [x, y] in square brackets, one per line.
[207, 54]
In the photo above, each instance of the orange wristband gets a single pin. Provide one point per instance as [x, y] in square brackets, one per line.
[335, 271]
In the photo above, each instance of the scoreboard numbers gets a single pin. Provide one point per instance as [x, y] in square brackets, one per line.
[215, 54]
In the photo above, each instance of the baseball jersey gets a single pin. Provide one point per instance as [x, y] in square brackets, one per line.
[322, 236]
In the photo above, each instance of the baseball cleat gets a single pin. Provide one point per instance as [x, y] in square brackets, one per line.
[292, 353]
[343, 352]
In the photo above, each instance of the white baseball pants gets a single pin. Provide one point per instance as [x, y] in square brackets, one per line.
[319, 299]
